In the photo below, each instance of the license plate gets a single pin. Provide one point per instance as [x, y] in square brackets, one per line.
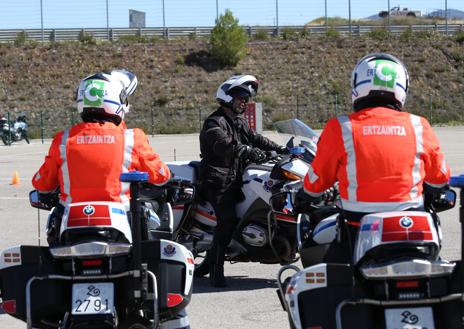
[92, 298]
[409, 318]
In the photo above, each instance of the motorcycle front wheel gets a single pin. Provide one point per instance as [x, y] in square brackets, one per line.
[5, 140]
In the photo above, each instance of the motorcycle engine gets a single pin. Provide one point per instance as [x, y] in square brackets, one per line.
[254, 235]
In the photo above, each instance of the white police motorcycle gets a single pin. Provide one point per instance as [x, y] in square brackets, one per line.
[108, 268]
[395, 278]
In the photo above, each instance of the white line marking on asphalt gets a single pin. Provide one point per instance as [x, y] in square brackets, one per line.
[21, 154]
[12, 198]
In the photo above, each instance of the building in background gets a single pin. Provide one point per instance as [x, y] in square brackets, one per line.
[136, 19]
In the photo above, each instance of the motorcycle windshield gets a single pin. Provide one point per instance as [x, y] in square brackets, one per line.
[303, 135]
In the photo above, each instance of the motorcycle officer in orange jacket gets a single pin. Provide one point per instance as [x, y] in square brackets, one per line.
[381, 156]
[86, 160]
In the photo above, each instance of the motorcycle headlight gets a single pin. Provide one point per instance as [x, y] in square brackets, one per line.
[290, 176]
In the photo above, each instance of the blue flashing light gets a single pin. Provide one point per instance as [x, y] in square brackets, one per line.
[297, 150]
[134, 176]
[457, 181]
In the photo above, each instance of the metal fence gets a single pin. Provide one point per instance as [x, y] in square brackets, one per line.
[115, 34]
[111, 14]
[163, 120]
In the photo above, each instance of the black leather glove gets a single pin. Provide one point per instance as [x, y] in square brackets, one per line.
[282, 150]
[257, 155]
[252, 153]
[329, 195]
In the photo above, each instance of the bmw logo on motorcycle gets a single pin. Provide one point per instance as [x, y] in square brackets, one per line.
[406, 222]
[89, 210]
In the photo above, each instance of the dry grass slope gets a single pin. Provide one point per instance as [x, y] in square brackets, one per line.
[304, 75]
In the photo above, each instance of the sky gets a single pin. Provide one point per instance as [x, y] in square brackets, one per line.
[26, 14]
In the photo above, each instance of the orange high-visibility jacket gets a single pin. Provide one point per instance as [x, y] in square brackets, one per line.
[380, 157]
[87, 160]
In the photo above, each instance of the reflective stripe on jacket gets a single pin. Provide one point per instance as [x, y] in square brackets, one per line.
[380, 157]
[87, 160]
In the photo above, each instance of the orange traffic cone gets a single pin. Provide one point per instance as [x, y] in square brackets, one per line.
[15, 180]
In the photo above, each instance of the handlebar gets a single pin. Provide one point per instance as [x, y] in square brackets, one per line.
[270, 156]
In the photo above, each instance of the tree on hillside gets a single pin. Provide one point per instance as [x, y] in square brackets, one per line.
[228, 40]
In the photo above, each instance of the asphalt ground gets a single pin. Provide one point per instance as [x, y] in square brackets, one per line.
[250, 300]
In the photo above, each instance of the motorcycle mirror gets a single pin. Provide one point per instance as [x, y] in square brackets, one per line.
[36, 202]
[445, 201]
[290, 144]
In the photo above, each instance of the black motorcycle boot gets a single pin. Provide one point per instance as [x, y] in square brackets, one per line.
[216, 267]
[216, 276]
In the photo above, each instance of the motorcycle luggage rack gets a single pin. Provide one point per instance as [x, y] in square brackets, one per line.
[134, 273]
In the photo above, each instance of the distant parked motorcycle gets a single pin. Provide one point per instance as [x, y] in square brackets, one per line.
[14, 132]
[4, 130]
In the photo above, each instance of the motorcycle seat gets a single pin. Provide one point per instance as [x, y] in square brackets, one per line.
[196, 170]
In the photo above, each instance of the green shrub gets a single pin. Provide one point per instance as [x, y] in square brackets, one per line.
[87, 38]
[459, 37]
[423, 35]
[161, 101]
[228, 40]
[281, 115]
[379, 34]
[180, 60]
[269, 101]
[456, 54]
[289, 34]
[305, 32]
[406, 36]
[21, 38]
[261, 35]
[332, 33]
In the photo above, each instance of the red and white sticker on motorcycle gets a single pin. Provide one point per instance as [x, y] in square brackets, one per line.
[89, 215]
[406, 228]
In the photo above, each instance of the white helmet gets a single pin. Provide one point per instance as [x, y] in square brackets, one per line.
[105, 94]
[379, 76]
[238, 85]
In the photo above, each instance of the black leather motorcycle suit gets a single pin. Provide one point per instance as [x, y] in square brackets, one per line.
[222, 141]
